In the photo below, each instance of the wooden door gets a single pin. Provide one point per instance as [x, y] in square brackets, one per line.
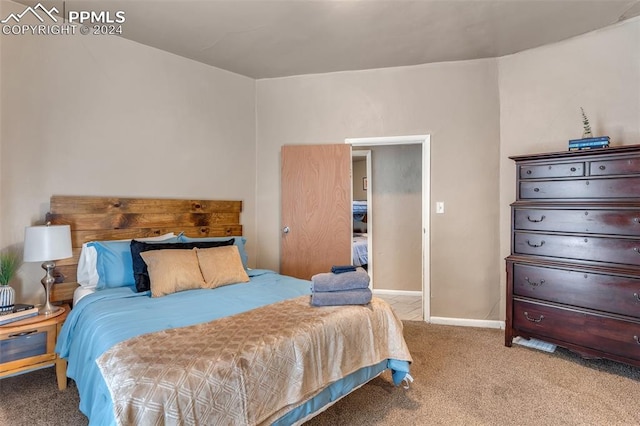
[316, 209]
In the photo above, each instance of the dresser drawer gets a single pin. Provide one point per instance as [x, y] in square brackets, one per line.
[624, 166]
[617, 222]
[35, 343]
[599, 332]
[608, 293]
[552, 170]
[581, 188]
[599, 249]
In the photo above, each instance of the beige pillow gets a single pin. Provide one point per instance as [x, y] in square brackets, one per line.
[221, 266]
[171, 271]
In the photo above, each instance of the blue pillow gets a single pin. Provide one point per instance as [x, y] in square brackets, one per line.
[238, 241]
[114, 263]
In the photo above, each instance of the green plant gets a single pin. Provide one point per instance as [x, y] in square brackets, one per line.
[585, 125]
[9, 264]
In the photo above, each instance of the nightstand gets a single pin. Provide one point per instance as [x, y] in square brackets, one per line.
[29, 344]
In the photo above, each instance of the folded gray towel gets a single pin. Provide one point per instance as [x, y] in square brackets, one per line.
[335, 298]
[328, 281]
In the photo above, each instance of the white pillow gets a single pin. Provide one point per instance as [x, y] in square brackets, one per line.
[87, 273]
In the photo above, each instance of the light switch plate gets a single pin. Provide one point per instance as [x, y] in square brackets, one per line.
[440, 207]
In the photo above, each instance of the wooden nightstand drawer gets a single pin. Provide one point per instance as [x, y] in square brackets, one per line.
[30, 343]
[29, 346]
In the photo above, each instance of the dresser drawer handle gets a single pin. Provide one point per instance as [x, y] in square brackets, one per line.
[536, 189]
[528, 172]
[636, 339]
[533, 283]
[526, 315]
[535, 220]
[24, 333]
[636, 250]
[637, 296]
[535, 245]
[573, 169]
[602, 167]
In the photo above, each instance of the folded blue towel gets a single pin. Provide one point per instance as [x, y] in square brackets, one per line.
[337, 298]
[327, 281]
[337, 269]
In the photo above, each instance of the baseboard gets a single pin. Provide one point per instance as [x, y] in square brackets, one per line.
[398, 292]
[464, 322]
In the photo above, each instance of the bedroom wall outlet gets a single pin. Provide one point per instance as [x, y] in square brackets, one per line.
[440, 207]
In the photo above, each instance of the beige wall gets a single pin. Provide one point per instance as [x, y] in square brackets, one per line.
[457, 104]
[542, 90]
[395, 214]
[106, 116]
[396, 184]
[2, 246]
[359, 171]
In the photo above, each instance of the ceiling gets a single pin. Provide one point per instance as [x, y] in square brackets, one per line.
[269, 38]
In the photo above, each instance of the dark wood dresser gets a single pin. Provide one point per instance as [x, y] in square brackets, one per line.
[573, 276]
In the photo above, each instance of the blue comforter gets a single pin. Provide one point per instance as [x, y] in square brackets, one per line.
[107, 317]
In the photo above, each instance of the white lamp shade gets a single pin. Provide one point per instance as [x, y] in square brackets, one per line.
[45, 243]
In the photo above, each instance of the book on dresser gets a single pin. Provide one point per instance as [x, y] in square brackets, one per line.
[589, 143]
[573, 275]
[17, 316]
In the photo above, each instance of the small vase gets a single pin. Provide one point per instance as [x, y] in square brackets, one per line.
[7, 299]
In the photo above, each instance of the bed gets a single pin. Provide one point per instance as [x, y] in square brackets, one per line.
[360, 216]
[360, 244]
[251, 352]
[360, 250]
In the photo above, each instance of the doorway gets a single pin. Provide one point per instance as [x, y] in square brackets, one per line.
[423, 197]
[362, 217]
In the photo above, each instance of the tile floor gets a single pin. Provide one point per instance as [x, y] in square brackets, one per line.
[406, 307]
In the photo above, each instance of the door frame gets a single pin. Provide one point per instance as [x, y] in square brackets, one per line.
[425, 141]
[367, 154]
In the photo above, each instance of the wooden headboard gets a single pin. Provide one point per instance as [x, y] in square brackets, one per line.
[112, 218]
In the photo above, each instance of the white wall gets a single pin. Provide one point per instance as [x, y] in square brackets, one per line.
[457, 104]
[542, 90]
[102, 115]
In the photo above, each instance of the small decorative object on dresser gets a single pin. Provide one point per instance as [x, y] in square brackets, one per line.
[9, 264]
[45, 244]
[573, 276]
[588, 141]
[586, 126]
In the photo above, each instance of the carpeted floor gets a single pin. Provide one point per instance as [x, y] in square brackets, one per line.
[463, 376]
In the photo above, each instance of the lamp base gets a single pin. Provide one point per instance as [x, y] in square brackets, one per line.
[47, 282]
[48, 309]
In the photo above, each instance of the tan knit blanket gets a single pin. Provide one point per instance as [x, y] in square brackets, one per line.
[247, 369]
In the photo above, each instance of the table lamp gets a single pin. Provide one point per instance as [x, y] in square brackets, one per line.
[47, 243]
